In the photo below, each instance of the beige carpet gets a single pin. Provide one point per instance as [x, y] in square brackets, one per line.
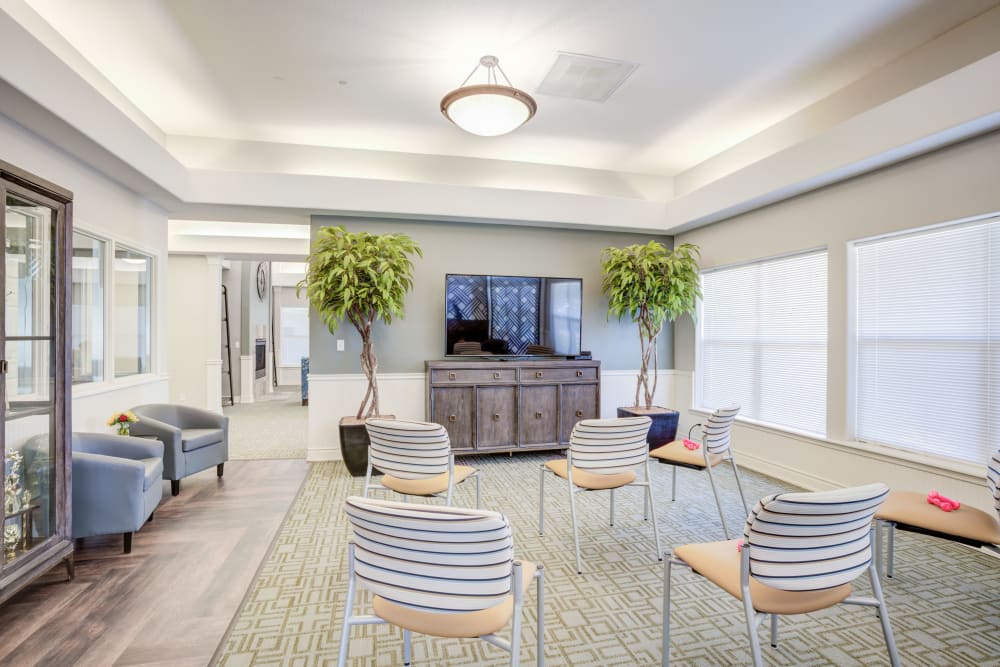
[275, 427]
[943, 603]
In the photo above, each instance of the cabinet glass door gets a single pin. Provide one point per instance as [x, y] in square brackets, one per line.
[28, 380]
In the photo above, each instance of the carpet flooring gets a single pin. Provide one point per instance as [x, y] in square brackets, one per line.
[943, 602]
[274, 427]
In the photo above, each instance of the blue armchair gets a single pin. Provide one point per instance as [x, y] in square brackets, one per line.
[193, 439]
[117, 484]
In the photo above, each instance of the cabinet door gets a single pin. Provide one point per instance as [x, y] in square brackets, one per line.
[539, 419]
[577, 401]
[497, 417]
[453, 408]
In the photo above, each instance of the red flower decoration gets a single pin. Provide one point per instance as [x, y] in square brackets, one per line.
[122, 418]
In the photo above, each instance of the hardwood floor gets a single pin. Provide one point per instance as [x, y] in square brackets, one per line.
[171, 600]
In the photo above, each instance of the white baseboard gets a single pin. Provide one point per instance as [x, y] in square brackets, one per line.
[800, 478]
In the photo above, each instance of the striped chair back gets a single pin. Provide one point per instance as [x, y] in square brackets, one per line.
[408, 449]
[431, 557]
[716, 430]
[811, 541]
[993, 479]
[608, 446]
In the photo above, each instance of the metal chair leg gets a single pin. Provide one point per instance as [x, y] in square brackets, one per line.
[541, 499]
[576, 532]
[612, 520]
[718, 503]
[666, 610]
[883, 615]
[739, 484]
[479, 492]
[751, 616]
[774, 631]
[540, 618]
[652, 505]
[407, 652]
[673, 484]
[345, 633]
[892, 549]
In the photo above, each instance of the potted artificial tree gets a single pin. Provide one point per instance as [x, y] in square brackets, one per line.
[651, 285]
[361, 278]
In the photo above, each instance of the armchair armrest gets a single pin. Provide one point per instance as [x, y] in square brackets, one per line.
[107, 494]
[197, 418]
[150, 426]
[119, 446]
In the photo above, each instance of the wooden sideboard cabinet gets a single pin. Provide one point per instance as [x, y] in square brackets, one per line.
[506, 406]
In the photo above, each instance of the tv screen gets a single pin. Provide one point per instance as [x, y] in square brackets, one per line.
[512, 315]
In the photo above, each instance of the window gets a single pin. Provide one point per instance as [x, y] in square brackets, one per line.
[927, 355]
[294, 334]
[87, 309]
[762, 341]
[133, 274]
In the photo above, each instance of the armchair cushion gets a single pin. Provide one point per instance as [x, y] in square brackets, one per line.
[196, 438]
[153, 473]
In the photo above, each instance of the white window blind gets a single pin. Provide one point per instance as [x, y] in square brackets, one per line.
[762, 341]
[928, 341]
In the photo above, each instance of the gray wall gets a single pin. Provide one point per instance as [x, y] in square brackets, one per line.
[449, 247]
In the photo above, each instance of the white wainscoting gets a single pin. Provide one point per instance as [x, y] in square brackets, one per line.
[246, 378]
[289, 376]
[213, 385]
[404, 395]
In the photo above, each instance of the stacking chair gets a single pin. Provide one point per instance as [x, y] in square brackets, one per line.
[415, 459]
[715, 441]
[603, 454]
[440, 571]
[910, 511]
[800, 553]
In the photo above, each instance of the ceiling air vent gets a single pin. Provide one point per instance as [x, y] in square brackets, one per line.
[585, 77]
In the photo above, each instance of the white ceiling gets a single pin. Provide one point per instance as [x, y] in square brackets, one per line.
[370, 74]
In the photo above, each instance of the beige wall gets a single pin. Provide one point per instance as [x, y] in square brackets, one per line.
[951, 184]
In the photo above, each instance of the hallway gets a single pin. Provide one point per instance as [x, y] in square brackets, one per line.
[274, 427]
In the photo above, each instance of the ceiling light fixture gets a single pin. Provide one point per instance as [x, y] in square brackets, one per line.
[488, 109]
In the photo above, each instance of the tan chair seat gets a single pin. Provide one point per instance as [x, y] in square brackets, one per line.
[911, 508]
[591, 480]
[465, 624]
[427, 486]
[719, 562]
[676, 452]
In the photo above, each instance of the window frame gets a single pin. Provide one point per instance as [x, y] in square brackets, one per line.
[105, 311]
[153, 310]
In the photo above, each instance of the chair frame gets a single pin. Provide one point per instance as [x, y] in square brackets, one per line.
[885, 544]
[755, 618]
[647, 508]
[711, 478]
[448, 493]
[512, 646]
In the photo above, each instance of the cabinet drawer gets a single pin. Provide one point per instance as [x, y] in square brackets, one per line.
[547, 375]
[441, 376]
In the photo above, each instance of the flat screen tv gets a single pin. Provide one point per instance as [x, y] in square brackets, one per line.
[512, 315]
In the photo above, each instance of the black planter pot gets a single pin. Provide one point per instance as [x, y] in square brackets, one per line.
[354, 444]
[664, 426]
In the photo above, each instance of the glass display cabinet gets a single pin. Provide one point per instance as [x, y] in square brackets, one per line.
[34, 379]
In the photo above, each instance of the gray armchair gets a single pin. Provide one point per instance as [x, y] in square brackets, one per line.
[193, 439]
[117, 484]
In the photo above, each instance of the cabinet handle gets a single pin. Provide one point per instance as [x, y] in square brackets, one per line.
[579, 413]
[451, 376]
[496, 416]
[538, 415]
[452, 419]
[579, 374]
[496, 375]
[539, 374]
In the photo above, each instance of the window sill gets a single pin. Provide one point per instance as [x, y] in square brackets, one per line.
[96, 388]
[886, 453]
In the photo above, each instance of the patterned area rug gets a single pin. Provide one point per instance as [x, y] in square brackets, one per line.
[943, 601]
[273, 427]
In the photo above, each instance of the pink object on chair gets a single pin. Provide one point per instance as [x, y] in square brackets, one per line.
[946, 504]
[690, 444]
